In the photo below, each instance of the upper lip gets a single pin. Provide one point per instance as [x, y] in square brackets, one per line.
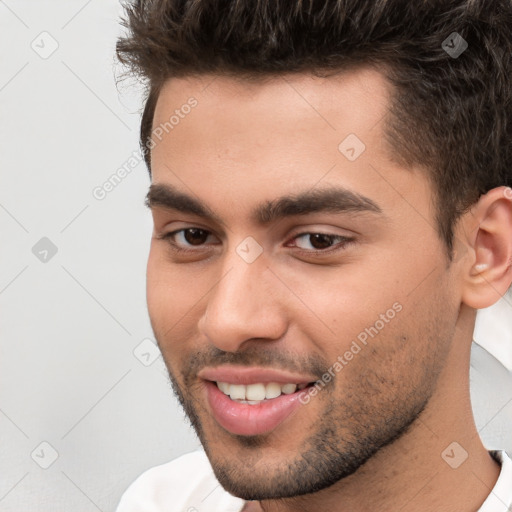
[246, 376]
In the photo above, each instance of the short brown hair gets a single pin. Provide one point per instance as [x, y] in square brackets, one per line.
[451, 114]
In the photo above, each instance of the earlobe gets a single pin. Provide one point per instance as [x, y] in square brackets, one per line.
[488, 267]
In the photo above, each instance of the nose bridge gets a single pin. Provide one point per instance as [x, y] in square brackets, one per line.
[242, 305]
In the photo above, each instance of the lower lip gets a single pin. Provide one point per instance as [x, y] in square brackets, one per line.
[250, 420]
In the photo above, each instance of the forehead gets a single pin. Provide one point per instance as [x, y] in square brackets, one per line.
[278, 122]
[354, 100]
[256, 140]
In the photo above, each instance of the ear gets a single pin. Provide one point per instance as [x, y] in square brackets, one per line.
[486, 230]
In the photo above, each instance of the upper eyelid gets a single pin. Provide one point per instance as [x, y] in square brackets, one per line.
[293, 235]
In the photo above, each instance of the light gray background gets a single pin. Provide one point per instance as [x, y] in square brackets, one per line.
[68, 375]
[72, 325]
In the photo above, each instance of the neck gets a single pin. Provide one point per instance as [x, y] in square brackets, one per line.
[440, 453]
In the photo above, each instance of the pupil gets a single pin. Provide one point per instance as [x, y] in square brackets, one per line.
[196, 238]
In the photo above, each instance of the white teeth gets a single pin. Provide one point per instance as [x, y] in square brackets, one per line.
[237, 391]
[272, 390]
[289, 388]
[255, 393]
[224, 387]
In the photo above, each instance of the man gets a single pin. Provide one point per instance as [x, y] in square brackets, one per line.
[330, 190]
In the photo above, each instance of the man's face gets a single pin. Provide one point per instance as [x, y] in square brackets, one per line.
[354, 292]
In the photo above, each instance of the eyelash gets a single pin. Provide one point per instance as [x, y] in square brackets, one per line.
[344, 242]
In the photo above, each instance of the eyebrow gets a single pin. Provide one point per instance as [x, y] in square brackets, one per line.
[328, 200]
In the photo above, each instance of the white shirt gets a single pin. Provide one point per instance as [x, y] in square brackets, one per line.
[188, 484]
[493, 330]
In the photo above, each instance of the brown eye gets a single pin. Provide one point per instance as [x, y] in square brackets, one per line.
[321, 241]
[183, 240]
[195, 236]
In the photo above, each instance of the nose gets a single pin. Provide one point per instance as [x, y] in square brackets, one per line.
[243, 306]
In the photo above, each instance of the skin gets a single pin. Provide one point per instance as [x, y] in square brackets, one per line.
[373, 438]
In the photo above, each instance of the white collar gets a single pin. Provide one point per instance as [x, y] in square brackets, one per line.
[500, 498]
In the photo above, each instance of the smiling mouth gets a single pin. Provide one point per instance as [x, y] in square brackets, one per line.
[253, 409]
[257, 393]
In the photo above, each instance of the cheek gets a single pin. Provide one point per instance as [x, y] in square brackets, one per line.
[157, 285]
[168, 296]
[338, 305]
[394, 368]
